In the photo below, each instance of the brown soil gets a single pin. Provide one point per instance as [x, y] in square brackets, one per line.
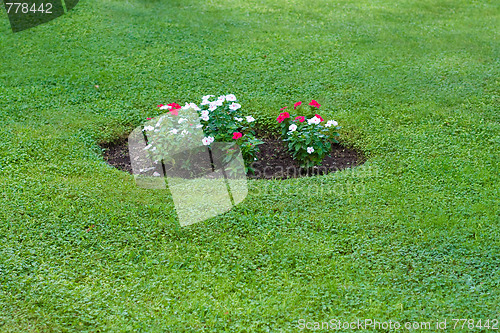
[274, 161]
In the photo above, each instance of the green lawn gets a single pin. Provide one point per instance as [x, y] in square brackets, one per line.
[412, 235]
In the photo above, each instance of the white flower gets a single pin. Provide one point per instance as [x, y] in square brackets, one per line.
[250, 119]
[194, 106]
[310, 150]
[205, 99]
[154, 148]
[181, 120]
[199, 126]
[230, 98]
[314, 120]
[165, 107]
[173, 131]
[219, 102]
[234, 106]
[156, 174]
[206, 118]
[331, 123]
[238, 119]
[204, 113]
[191, 106]
[148, 146]
[148, 128]
[207, 140]
[184, 132]
[292, 127]
[212, 106]
[222, 98]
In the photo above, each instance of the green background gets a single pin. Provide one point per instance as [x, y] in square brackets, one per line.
[413, 234]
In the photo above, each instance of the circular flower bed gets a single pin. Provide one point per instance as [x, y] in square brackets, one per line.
[307, 144]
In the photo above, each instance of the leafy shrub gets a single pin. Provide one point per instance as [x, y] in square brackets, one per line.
[222, 120]
[309, 139]
[171, 132]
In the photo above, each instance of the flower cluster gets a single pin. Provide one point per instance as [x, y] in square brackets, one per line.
[221, 119]
[309, 138]
[224, 121]
[169, 133]
[308, 135]
[207, 140]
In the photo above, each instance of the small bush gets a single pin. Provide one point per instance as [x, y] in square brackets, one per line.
[309, 139]
[222, 120]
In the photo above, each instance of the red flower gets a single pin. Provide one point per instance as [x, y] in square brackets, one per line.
[237, 135]
[300, 118]
[174, 105]
[297, 104]
[318, 116]
[283, 116]
[283, 108]
[314, 103]
[149, 118]
[160, 105]
[174, 112]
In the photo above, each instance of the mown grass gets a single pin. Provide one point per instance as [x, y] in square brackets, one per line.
[412, 235]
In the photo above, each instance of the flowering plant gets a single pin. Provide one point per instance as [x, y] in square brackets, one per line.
[221, 120]
[309, 139]
[173, 132]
